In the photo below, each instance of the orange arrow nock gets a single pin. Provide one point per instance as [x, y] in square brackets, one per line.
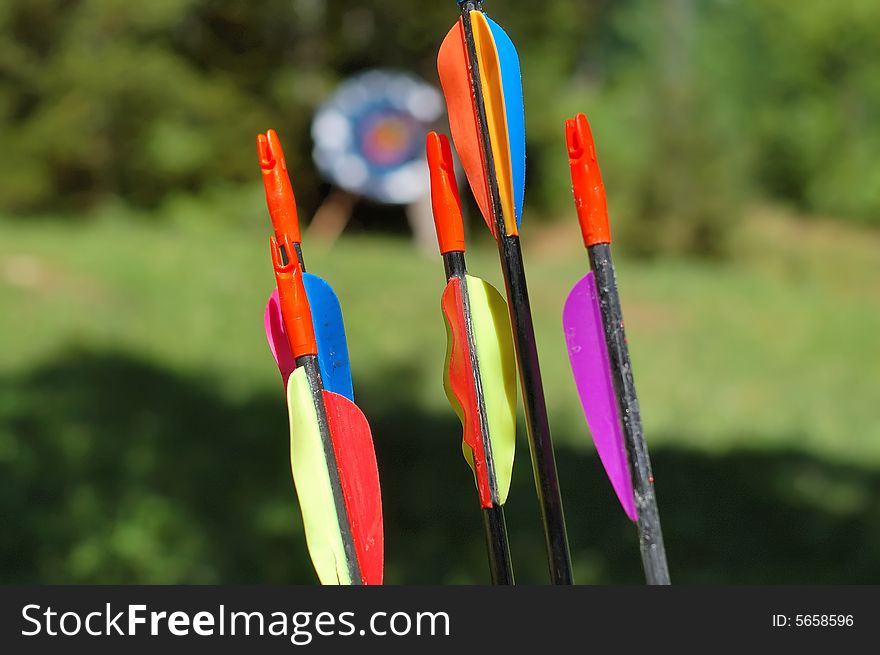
[279, 191]
[586, 179]
[445, 200]
[295, 311]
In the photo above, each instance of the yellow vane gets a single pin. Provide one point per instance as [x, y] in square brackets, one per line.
[496, 115]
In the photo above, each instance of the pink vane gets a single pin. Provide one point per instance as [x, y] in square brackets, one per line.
[585, 338]
[277, 337]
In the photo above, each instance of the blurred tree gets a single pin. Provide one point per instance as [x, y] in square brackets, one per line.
[105, 99]
[685, 185]
[812, 101]
[691, 99]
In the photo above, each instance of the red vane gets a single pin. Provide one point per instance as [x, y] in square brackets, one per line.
[279, 191]
[586, 179]
[444, 195]
[455, 78]
[295, 310]
[359, 477]
[460, 378]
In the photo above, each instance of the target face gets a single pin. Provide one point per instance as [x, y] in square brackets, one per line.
[370, 135]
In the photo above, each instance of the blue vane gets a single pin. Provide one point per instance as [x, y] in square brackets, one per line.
[511, 79]
[330, 336]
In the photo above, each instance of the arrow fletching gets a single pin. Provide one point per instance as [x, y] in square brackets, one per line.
[493, 350]
[276, 335]
[588, 354]
[314, 489]
[511, 82]
[329, 334]
[358, 475]
[500, 82]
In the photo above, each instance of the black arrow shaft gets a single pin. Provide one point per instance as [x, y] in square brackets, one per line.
[650, 533]
[535, 406]
[538, 427]
[285, 258]
[498, 547]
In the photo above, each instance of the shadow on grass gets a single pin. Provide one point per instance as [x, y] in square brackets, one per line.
[114, 471]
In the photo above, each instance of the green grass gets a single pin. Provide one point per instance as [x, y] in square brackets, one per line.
[142, 428]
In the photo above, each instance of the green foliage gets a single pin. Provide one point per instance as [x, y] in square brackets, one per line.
[105, 99]
[813, 97]
[697, 105]
[680, 182]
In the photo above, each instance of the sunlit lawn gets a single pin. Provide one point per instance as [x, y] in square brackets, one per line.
[773, 355]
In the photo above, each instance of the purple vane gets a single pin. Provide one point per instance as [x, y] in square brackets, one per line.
[588, 353]
[277, 337]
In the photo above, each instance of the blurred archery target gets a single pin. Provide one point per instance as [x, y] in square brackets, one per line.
[369, 135]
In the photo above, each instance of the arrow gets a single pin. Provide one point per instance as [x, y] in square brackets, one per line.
[597, 348]
[480, 75]
[326, 311]
[332, 457]
[480, 377]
